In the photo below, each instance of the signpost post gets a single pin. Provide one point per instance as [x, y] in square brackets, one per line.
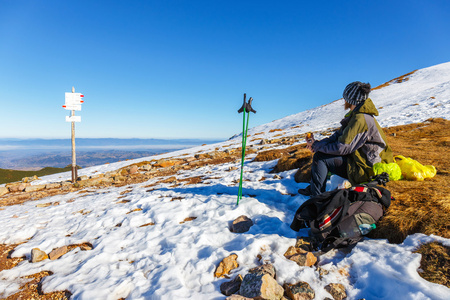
[73, 103]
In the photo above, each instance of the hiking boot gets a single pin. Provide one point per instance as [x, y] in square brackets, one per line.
[306, 191]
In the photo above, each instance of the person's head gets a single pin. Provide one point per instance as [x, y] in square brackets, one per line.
[355, 93]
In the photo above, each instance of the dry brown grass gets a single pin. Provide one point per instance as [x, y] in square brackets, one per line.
[435, 263]
[399, 79]
[420, 206]
[271, 154]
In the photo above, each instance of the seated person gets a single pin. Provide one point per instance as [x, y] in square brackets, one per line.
[354, 148]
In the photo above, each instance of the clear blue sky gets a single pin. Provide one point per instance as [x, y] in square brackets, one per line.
[178, 69]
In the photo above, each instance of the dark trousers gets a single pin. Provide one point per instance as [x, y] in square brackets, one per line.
[321, 165]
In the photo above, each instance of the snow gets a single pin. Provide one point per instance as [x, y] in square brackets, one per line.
[169, 260]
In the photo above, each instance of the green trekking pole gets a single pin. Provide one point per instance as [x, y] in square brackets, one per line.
[244, 137]
[246, 109]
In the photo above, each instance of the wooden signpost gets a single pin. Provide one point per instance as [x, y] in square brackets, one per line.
[73, 103]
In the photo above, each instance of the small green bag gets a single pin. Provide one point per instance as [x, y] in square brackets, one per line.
[393, 169]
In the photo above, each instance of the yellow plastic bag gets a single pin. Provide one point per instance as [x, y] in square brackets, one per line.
[393, 169]
[413, 170]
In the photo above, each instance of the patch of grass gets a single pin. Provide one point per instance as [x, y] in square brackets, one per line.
[435, 263]
[399, 79]
[420, 206]
[7, 175]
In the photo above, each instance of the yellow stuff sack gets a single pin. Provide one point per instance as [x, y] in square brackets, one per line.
[393, 169]
[413, 170]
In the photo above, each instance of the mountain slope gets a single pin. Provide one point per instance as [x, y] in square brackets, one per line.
[162, 237]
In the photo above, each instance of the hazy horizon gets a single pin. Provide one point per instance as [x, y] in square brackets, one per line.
[33, 154]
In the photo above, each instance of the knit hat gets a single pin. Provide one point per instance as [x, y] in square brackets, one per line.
[356, 92]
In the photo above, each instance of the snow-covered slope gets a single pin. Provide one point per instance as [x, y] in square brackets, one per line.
[174, 260]
[419, 96]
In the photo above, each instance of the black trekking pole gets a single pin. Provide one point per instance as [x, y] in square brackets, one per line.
[246, 109]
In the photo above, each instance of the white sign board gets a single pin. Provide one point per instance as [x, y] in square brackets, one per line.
[72, 107]
[73, 118]
[74, 98]
[73, 101]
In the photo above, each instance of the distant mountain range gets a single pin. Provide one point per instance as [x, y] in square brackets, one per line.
[34, 154]
[101, 143]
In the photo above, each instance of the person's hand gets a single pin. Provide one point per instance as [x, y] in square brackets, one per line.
[309, 141]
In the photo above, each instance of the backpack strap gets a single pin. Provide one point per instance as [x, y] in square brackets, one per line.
[332, 242]
[365, 189]
[329, 218]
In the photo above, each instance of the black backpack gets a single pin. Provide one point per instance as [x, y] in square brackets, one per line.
[334, 217]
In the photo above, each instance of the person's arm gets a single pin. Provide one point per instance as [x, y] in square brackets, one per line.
[353, 137]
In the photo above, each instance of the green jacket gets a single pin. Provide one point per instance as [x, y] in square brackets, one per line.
[361, 139]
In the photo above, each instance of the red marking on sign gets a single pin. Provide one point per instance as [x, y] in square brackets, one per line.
[81, 96]
[64, 106]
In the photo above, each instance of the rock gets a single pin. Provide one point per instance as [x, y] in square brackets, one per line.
[305, 243]
[264, 269]
[226, 265]
[86, 247]
[106, 180]
[58, 252]
[163, 163]
[231, 287]
[301, 257]
[134, 169]
[66, 185]
[291, 251]
[38, 255]
[146, 167]
[111, 174]
[241, 224]
[53, 185]
[261, 286]
[34, 188]
[276, 176]
[119, 178]
[218, 154]
[16, 186]
[189, 159]
[3, 190]
[202, 156]
[122, 172]
[237, 297]
[299, 291]
[83, 183]
[304, 259]
[29, 179]
[322, 272]
[336, 290]
[95, 181]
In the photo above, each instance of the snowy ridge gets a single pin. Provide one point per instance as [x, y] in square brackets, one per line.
[169, 260]
[425, 94]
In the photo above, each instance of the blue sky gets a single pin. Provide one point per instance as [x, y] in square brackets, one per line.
[178, 69]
